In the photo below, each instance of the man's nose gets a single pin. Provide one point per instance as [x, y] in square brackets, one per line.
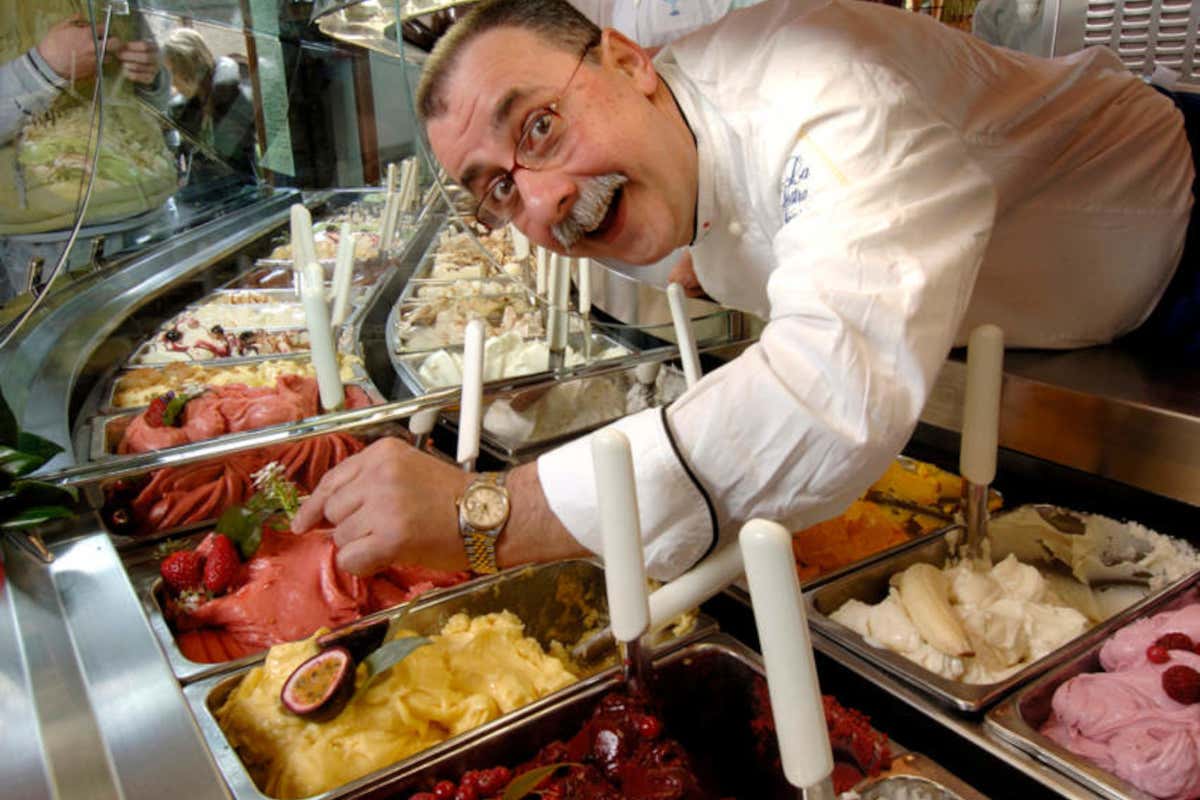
[547, 197]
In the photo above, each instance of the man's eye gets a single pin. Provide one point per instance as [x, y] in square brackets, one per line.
[502, 190]
[541, 128]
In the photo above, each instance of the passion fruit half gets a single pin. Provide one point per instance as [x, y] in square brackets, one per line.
[321, 686]
[361, 637]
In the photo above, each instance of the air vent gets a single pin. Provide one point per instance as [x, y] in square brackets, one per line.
[1146, 32]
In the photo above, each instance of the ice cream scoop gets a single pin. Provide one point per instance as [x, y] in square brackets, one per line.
[624, 560]
[787, 654]
[981, 426]
[684, 335]
[470, 417]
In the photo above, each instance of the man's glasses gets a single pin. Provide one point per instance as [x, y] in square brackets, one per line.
[537, 149]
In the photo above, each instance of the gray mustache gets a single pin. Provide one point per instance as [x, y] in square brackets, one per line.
[595, 195]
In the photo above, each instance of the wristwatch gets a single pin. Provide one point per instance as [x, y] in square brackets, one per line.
[482, 514]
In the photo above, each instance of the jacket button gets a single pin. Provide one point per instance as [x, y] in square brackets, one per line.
[735, 228]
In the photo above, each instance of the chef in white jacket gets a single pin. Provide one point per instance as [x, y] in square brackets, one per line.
[872, 183]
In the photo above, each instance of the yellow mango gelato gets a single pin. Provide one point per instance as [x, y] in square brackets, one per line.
[473, 671]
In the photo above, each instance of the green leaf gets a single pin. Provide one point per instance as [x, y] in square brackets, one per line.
[243, 526]
[15, 463]
[44, 493]
[520, 786]
[35, 445]
[389, 655]
[175, 408]
[8, 424]
[36, 515]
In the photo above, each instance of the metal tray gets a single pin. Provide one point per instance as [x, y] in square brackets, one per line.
[107, 430]
[516, 451]
[556, 601]
[365, 274]
[409, 301]
[408, 365]
[870, 585]
[1019, 718]
[717, 735]
[108, 405]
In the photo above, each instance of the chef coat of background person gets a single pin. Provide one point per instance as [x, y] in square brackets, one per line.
[873, 183]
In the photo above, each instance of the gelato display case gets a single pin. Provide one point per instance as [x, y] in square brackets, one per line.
[170, 358]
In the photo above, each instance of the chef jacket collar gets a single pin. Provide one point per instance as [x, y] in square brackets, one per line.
[708, 211]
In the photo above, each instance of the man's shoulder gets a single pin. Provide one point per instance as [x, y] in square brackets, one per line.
[776, 38]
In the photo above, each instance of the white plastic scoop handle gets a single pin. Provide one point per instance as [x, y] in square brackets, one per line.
[343, 270]
[470, 414]
[981, 406]
[684, 335]
[787, 652]
[693, 587]
[624, 565]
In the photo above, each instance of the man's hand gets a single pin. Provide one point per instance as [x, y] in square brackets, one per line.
[139, 60]
[392, 502]
[389, 503]
[69, 50]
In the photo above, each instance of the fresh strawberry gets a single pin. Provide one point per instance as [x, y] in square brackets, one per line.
[1182, 684]
[221, 566]
[154, 414]
[182, 570]
[1175, 641]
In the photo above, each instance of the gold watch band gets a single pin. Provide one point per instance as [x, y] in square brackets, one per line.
[480, 545]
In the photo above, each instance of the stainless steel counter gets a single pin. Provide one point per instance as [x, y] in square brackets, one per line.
[1107, 411]
[90, 708]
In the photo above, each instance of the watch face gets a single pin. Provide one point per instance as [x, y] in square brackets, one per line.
[485, 507]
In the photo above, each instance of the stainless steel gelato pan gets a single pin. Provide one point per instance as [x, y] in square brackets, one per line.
[710, 698]
[872, 584]
[559, 602]
[1019, 719]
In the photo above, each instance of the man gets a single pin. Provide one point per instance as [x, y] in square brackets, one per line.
[871, 182]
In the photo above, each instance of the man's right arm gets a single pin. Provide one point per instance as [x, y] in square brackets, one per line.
[27, 88]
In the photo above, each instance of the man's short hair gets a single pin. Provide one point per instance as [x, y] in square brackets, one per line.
[555, 21]
[188, 56]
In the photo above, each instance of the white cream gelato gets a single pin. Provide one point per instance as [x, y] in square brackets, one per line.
[504, 356]
[1010, 614]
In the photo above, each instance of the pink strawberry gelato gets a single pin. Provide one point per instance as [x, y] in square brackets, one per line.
[1124, 721]
[286, 591]
[232, 408]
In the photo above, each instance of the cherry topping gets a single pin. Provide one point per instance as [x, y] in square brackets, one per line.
[1175, 641]
[1157, 654]
[1182, 684]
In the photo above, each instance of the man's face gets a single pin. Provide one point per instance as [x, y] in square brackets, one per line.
[617, 124]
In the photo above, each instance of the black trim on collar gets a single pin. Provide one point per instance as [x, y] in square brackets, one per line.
[712, 512]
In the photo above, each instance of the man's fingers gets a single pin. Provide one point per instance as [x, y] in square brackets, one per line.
[343, 503]
[351, 529]
[362, 556]
[313, 510]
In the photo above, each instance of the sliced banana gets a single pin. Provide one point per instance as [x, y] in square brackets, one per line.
[924, 594]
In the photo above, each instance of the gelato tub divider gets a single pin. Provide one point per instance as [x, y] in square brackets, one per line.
[869, 583]
[559, 602]
[1018, 718]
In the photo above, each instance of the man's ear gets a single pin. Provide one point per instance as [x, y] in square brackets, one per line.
[619, 52]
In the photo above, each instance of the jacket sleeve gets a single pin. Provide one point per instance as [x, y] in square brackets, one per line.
[27, 87]
[870, 284]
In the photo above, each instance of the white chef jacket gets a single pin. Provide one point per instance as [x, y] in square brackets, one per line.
[875, 185]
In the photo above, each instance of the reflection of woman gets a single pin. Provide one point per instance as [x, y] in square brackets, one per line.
[210, 103]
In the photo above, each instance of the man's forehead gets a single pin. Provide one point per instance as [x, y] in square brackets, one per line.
[493, 75]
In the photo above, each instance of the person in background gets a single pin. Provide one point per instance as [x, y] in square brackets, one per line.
[873, 183]
[47, 73]
[210, 105]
